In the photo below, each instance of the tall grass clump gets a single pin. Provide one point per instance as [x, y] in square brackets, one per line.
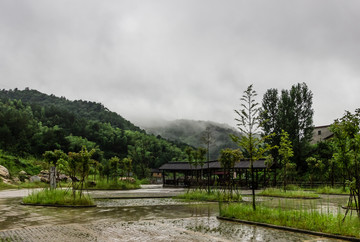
[58, 197]
[302, 219]
[213, 195]
[333, 190]
[144, 181]
[276, 192]
[103, 184]
[293, 187]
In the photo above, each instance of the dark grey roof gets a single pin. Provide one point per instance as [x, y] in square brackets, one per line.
[185, 166]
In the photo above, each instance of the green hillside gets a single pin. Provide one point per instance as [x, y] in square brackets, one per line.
[32, 122]
[79, 108]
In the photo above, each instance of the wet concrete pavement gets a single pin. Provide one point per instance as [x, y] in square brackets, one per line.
[129, 219]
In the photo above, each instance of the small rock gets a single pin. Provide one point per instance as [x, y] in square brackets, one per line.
[63, 178]
[43, 179]
[44, 173]
[35, 179]
[23, 173]
[91, 184]
[75, 179]
[4, 172]
[127, 179]
[6, 181]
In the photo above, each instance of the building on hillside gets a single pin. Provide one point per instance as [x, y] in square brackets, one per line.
[321, 133]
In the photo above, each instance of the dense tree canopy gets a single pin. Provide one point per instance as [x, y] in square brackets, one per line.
[36, 123]
[291, 111]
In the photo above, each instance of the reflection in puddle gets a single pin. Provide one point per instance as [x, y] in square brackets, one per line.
[141, 219]
[140, 202]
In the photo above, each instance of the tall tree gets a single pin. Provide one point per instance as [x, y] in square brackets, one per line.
[249, 125]
[79, 164]
[208, 140]
[227, 159]
[201, 152]
[323, 153]
[302, 125]
[53, 158]
[292, 112]
[114, 166]
[347, 151]
[269, 116]
[127, 165]
[285, 152]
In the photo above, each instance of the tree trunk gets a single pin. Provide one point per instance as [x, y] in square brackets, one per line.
[253, 186]
[208, 177]
[284, 180]
[52, 177]
[332, 174]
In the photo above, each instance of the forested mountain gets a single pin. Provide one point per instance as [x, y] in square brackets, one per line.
[82, 109]
[192, 132]
[32, 123]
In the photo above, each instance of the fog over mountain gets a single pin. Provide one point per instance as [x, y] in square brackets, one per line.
[192, 132]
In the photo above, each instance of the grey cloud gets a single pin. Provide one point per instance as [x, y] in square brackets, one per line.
[182, 59]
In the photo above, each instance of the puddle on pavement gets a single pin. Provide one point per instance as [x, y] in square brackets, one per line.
[156, 217]
[14, 215]
[141, 202]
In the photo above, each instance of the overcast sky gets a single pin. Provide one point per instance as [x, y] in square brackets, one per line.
[173, 59]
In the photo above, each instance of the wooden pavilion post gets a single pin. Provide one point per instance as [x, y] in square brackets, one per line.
[246, 178]
[163, 177]
[264, 185]
[175, 183]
